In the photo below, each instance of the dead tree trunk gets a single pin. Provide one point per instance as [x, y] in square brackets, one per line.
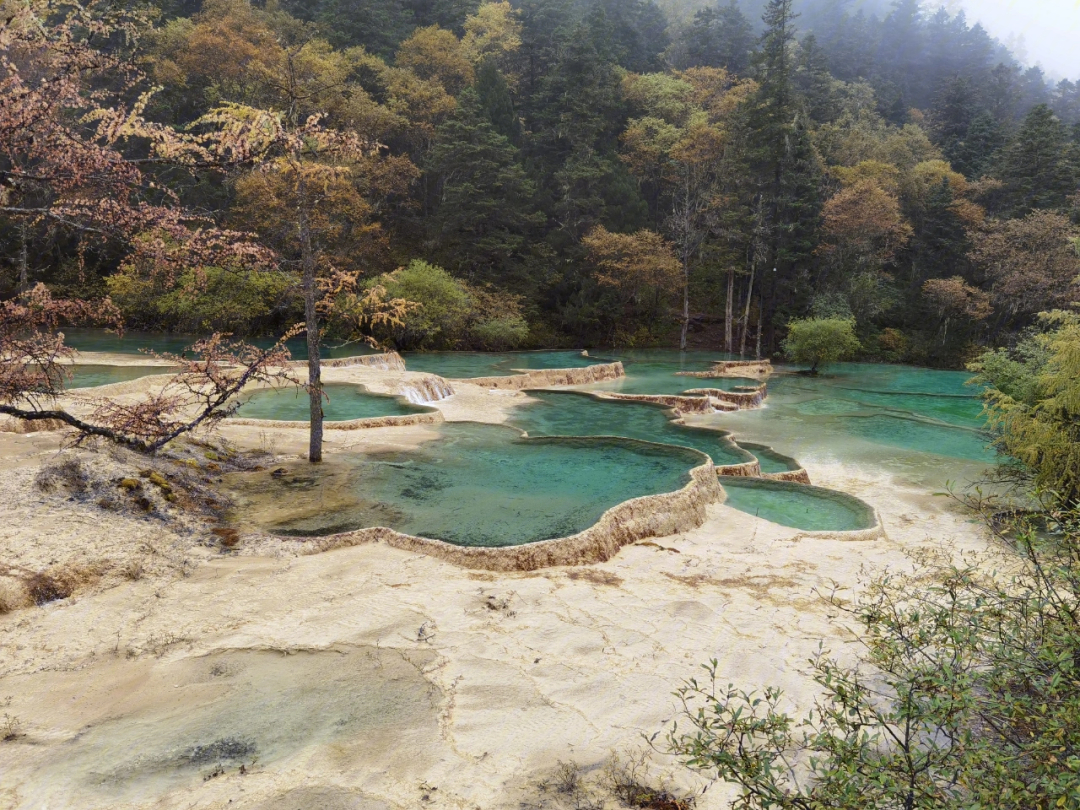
[760, 318]
[685, 302]
[746, 313]
[311, 327]
[24, 259]
[729, 310]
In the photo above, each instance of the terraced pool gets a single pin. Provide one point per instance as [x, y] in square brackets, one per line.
[343, 403]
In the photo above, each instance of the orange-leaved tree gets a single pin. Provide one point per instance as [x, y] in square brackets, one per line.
[641, 268]
[296, 187]
[77, 157]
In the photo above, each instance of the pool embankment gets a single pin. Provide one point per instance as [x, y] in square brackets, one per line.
[430, 388]
[387, 361]
[701, 400]
[637, 519]
[433, 418]
[799, 476]
[743, 400]
[733, 368]
[748, 469]
[10, 424]
[545, 378]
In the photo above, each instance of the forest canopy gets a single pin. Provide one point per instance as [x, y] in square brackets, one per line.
[595, 172]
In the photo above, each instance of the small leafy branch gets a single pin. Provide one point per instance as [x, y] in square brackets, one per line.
[205, 390]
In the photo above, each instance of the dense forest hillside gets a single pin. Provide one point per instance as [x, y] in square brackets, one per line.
[568, 172]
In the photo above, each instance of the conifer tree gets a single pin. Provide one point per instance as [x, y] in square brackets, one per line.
[494, 96]
[1036, 166]
[720, 36]
[484, 206]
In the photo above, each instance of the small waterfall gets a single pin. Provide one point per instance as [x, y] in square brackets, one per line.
[426, 390]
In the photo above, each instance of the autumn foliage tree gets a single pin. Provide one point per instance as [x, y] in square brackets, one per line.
[953, 299]
[864, 229]
[205, 389]
[1032, 264]
[640, 268]
[75, 148]
[296, 182]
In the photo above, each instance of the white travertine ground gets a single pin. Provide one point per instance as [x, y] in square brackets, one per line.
[371, 677]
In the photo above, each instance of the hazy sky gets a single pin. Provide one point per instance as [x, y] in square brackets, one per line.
[1051, 29]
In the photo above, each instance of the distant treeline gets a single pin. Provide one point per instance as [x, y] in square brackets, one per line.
[613, 172]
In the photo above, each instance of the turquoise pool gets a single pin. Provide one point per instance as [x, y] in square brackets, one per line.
[476, 485]
[343, 403]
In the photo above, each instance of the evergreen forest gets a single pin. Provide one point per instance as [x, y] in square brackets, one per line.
[543, 173]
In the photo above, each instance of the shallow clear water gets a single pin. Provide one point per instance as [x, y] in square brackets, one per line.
[574, 414]
[89, 376]
[770, 460]
[134, 342]
[343, 402]
[462, 365]
[653, 371]
[186, 717]
[481, 485]
[797, 505]
[923, 425]
[477, 485]
[648, 371]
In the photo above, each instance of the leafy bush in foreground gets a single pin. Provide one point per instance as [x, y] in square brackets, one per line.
[967, 696]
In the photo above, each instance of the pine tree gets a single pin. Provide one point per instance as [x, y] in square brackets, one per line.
[1036, 167]
[951, 117]
[786, 167]
[901, 63]
[940, 244]
[484, 209]
[814, 83]
[975, 154]
[377, 25]
[720, 36]
[495, 100]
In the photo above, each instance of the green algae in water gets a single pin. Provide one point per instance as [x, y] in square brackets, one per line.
[235, 707]
[798, 506]
[478, 485]
[92, 375]
[577, 414]
[897, 418]
[344, 402]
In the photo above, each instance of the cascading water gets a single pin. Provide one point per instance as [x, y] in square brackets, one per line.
[426, 390]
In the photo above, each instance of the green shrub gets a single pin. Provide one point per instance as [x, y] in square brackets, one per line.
[819, 341]
[967, 698]
[211, 299]
[444, 307]
[451, 313]
[499, 334]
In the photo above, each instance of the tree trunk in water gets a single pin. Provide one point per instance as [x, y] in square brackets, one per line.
[746, 314]
[685, 304]
[311, 328]
[729, 310]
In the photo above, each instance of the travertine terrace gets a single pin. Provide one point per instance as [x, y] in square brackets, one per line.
[343, 673]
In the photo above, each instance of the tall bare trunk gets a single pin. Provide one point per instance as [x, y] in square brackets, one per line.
[685, 302]
[311, 328]
[729, 310]
[24, 259]
[746, 313]
[760, 318]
